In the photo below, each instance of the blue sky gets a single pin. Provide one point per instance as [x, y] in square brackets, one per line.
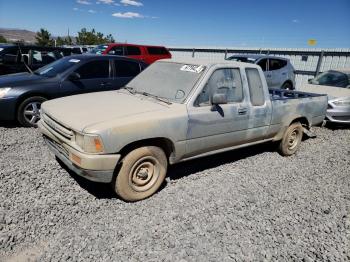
[248, 23]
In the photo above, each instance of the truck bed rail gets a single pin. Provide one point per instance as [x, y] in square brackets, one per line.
[282, 94]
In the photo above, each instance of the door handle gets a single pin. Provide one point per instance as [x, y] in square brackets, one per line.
[242, 111]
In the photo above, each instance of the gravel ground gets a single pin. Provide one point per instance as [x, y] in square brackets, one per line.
[248, 204]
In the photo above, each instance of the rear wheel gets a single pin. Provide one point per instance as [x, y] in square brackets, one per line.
[287, 86]
[141, 174]
[291, 139]
[28, 113]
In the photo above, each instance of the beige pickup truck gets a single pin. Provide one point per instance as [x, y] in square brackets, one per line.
[173, 111]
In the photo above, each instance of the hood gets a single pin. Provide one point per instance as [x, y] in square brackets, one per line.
[13, 80]
[81, 111]
[331, 91]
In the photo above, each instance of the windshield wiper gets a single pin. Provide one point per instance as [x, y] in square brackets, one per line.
[156, 97]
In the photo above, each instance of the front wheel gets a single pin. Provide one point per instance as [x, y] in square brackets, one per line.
[28, 113]
[141, 174]
[291, 139]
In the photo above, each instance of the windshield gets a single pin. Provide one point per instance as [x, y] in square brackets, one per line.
[99, 49]
[242, 59]
[57, 67]
[331, 78]
[171, 81]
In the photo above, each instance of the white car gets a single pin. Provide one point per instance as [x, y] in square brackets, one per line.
[278, 71]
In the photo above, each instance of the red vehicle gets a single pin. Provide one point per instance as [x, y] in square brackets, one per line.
[147, 54]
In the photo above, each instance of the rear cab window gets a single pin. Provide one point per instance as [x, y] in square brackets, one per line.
[255, 85]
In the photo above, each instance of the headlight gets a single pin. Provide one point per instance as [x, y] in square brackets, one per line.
[342, 102]
[89, 143]
[4, 91]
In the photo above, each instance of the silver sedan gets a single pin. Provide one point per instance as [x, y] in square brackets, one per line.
[336, 84]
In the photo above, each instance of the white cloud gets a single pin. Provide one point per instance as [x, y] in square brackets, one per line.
[92, 11]
[83, 2]
[107, 2]
[295, 21]
[131, 2]
[75, 9]
[128, 15]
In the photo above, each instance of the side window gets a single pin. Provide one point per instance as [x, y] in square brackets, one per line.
[43, 57]
[117, 50]
[126, 68]
[263, 64]
[133, 50]
[275, 64]
[256, 90]
[222, 81]
[157, 51]
[94, 69]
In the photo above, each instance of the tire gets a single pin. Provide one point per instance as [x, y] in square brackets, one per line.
[291, 139]
[28, 113]
[141, 174]
[287, 86]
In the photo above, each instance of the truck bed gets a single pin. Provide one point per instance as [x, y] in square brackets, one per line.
[288, 104]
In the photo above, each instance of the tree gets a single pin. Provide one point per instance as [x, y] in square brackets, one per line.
[60, 41]
[110, 38]
[43, 38]
[92, 37]
[2, 39]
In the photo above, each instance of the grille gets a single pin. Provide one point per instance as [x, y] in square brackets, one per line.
[57, 127]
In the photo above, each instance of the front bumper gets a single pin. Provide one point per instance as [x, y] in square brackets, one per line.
[8, 108]
[97, 168]
[339, 115]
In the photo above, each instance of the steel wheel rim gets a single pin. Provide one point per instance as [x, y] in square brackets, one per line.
[144, 174]
[31, 112]
[293, 139]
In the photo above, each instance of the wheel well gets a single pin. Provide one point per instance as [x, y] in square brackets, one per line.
[290, 82]
[303, 121]
[26, 96]
[164, 143]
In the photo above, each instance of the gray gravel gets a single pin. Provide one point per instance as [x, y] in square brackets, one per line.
[249, 204]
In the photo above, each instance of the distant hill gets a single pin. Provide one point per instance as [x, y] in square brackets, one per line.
[14, 35]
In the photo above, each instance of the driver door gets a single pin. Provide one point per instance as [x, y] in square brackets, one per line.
[215, 127]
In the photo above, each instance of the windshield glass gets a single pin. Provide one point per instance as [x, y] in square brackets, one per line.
[242, 59]
[99, 49]
[172, 81]
[331, 78]
[57, 67]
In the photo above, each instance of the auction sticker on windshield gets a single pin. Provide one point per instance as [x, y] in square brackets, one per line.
[192, 68]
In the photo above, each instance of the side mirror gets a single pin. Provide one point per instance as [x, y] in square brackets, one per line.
[10, 59]
[310, 80]
[219, 99]
[74, 77]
